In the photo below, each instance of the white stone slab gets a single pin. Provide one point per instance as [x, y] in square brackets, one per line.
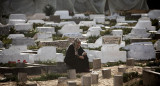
[23, 41]
[23, 27]
[64, 14]
[36, 21]
[92, 16]
[154, 14]
[99, 20]
[15, 21]
[66, 23]
[93, 54]
[120, 19]
[92, 33]
[157, 45]
[46, 53]
[18, 16]
[110, 52]
[87, 23]
[70, 29]
[46, 30]
[141, 51]
[12, 36]
[79, 16]
[72, 35]
[95, 28]
[117, 33]
[145, 24]
[50, 24]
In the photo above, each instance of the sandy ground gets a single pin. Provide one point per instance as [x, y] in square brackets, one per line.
[102, 82]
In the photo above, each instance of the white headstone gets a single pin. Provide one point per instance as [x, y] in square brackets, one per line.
[46, 30]
[23, 41]
[36, 21]
[92, 16]
[23, 27]
[72, 35]
[18, 16]
[154, 14]
[141, 50]
[44, 36]
[66, 23]
[70, 29]
[12, 36]
[64, 14]
[15, 21]
[81, 16]
[87, 23]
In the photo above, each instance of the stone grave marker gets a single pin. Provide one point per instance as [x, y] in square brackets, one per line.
[111, 40]
[23, 27]
[55, 18]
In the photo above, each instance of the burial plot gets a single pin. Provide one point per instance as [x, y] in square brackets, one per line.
[64, 14]
[23, 27]
[15, 21]
[63, 23]
[12, 36]
[87, 23]
[141, 51]
[46, 30]
[44, 37]
[92, 16]
[72, 35]
[111, 40]
[23, 41]
[18, 16]
[70, 29]
[79, 16]
[36, 21]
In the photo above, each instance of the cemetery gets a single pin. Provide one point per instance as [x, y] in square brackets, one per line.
[122, 43]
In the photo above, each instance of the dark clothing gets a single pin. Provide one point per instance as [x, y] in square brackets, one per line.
[81, 65]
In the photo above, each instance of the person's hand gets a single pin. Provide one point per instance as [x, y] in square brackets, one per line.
[84, 53]
[81, 57]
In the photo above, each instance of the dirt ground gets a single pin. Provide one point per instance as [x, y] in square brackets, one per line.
[101, 81]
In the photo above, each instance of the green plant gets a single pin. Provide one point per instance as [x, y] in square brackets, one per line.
[48, 10]
[48, 62]
[84, 28]
[110, 64]
[106, 32]
[58, 37]
[11, 78]
[12, 30]
[112, 23]
[6, 41]
[37, 25]
[127, 41]
[97, 48]
[61, 50]
[155, 23]
[125, 30]
[57, 28]
[92, 39]
[129, 76]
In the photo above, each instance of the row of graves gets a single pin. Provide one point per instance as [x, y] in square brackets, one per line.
[44, 36]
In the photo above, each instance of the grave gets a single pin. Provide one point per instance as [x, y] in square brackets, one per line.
[111, 40]
[99, 20]
[46, 30]
[72, 35]
[63, 23]
[92, 16]
[23, 27]
[141, 50]
[87, 23]
[117, 33]
[64, 14]
[43, 37]
[36, 21]
[23, 41]
[49, 23]
[157, 45]
[18, 16]
[154, 14]
[12, 36]
[70, 29]
[16, 21]
[92, 33]
[79, 16]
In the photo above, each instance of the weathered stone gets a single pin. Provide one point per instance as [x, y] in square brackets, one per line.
[106, 73]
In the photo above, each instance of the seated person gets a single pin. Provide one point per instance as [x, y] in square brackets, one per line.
[76, 57]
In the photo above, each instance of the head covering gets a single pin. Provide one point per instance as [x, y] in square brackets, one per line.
[75, 44]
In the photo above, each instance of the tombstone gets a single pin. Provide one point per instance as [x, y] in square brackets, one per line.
[49, 23]
[22, 77]
[111, 40]
[46, 30]
[71, 83]
[94, 78]
[99, 20]
[130, 62]
[18, 16]
[157, 45]
[79, 16]
[46, 53]
[87, 23]
[95, 28]
[36, 21]
[70, 29]
[141, 51]
[55, 18]
[120, 19]
[23, 41]
[44, 37]
[86, 80]
[106, 73]
[111, 52]
[71, 74]
[96, 63]
[154, 14]
[145, 24]
[64, 14]
[23, 27]
[118, 80]
[61, 79]
[122, 69]
[16, 21]
[92, 16]
[72, 35]
[38, 16]
[63, 23]
[12, 36]
[117, 33]
[92, 33]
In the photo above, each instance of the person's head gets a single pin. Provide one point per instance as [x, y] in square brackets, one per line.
[77, 43]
